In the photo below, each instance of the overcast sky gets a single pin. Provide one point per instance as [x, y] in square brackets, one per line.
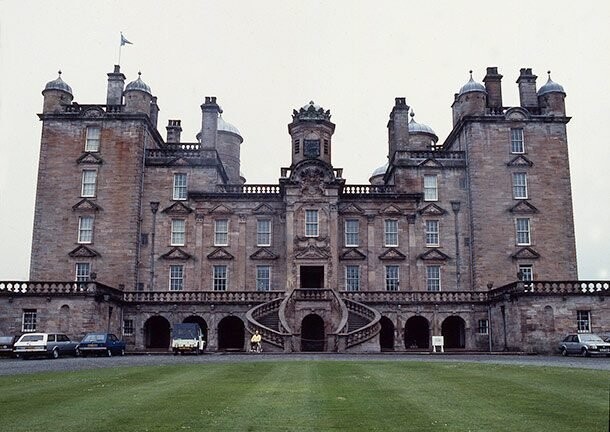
[264, 58]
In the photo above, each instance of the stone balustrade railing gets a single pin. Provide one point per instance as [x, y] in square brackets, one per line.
[552, 288]
[430, 154]
[312, 294]
[405, 297]
[78, 108]
[59, 288]
[368, 331]
[367, 189]
[269, 335]
[250, 189]
[201, 296]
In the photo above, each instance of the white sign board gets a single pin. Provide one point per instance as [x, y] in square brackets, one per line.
[438, 341]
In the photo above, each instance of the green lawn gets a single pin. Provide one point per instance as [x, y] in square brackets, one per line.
[309, 396]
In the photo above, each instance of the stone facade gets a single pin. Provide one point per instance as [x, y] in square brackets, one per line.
[454, 239]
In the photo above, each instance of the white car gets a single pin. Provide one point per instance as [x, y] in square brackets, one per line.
[50, 345]
[585, 344]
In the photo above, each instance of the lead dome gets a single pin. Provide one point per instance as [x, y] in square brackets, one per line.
[550, 87]
[58, 84]
[472, 86]
[224, 126]
[420, 128]
[138, 85]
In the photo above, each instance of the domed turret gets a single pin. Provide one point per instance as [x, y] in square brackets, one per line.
[551, 98]
[224, 126]
[138, 96]
[470, 101]
[311, 131]
[377, 175]
[421, 136]
[56, 94]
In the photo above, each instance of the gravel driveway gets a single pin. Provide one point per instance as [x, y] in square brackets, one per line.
[18, 366]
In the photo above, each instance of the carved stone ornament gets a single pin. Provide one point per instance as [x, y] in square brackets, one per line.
[312, 181]
[523, 207]
[432, 210]
[220, 254]
[433, 255]
[86, 205]
[352, 254]
[312, 252]
[520, 161]
[93, 112]
[526, 253]
[89, 158]
[264, 254]
[392, 254]
[178, 208]
[83, 251]
[176, 253]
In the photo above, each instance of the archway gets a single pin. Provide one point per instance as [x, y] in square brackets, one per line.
[417, 333]
[202, 324]
[156, 332]
[231, 334]
[453, 330]
[386, 337]
[312, 333]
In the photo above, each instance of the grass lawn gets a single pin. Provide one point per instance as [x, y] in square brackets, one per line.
[309, 396]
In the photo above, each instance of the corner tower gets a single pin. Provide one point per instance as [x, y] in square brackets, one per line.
[311, 131]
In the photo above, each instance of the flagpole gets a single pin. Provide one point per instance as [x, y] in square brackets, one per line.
[120, 45]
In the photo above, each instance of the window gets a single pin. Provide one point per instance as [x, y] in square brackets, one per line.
[526, 272]
[391, 232]
[180, 191]
[28, 322]
[391, 278]
[176, 277]
[311, 223]
[88, 183]
[263, 278]
[178, 236]
[483, 327]
[430, 188]
[83, 272]
[516, 141]
[432, 233]
[520, 185]
[128, 327]
[85, 229]
[263, 232]
[352, 278]
[352, 228]
[583, 321]
[221, 232]
[433, 278]
[523, 231]
[220, 278]
[92, 144]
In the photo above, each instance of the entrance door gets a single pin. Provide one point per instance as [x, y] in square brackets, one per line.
[312, 276]
[312, 333]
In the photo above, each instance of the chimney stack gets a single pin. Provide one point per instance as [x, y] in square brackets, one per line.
[209, 122]
[527, 89]
[174, 129]
[493, 85]
[116, 83]
[398, 126]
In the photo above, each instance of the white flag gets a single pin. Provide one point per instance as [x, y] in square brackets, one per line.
[124, 41]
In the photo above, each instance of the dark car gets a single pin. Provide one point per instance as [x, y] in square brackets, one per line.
[44, 344]
[585, 344]
[6, 345]
[101, 344]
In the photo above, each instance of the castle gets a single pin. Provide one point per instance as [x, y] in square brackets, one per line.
[471, 238]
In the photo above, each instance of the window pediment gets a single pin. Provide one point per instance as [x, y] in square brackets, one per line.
[432, 210]
[264, 254]
[430, 163]
[392, 254]
[526, 253]
[352, 254]
[433, 255]
[391, 211]
[83, 251]
[264, 209]
[86, 205]
[178, 208]
[220, 254]
[351, 209]
[523, 207]
[89, 158]
[221, 209]
[520, 161]
[176, 253]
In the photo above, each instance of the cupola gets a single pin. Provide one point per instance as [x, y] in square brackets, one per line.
[138, 96]
[56, 95]
[421, 136]
[311, 131]
[551, 98]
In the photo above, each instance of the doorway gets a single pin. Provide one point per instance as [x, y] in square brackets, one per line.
[312, 276]
[312, 333]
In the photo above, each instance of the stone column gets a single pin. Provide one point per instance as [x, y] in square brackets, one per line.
[241, 252]
[199, 247]
[370, 250]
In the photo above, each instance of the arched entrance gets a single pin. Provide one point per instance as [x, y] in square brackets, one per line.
[156, 332]
[231, 334]
[417, 333]
[386, 337]
[202, 324]
[453, 330]
[312, 333]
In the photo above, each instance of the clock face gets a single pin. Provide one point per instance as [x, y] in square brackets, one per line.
[311, 148]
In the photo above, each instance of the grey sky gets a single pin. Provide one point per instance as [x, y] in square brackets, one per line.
[262, 59]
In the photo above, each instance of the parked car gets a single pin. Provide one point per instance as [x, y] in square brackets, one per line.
[6, 345]
[585, 344]
[50, 345]
[187, 338]
[101, 344]
[606, 337]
